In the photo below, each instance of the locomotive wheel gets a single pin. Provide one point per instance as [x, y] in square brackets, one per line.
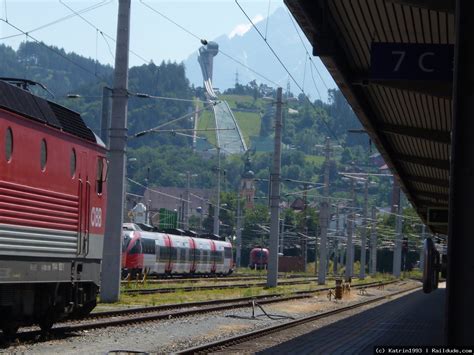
[46, 323]
[9, 332]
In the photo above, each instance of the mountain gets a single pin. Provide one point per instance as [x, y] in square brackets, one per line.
[251, 50]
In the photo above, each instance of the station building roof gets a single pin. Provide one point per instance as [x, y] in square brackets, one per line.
[407, 117]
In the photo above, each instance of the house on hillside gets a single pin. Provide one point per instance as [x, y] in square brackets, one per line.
[174, 199]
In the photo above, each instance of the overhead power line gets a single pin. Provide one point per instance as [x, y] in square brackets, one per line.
[330, 131]
[154, 129]
[61, 19]
[104, 35]
[149, 96]
[204, 41]
[306, 50]
[53, 50]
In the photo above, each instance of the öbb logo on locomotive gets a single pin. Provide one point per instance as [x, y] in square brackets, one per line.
[96, 217]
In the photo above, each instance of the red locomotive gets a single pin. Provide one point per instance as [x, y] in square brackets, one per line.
[160, 254]
[52, 210]
[259, 258]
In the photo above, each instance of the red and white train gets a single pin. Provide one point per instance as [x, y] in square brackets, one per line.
[52, 210]
[259, 258]
[161, 254]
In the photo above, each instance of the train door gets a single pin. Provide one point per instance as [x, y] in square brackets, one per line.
[168, 263]
[192, 255]
[162, 254]
[213, 256]
[84, 194]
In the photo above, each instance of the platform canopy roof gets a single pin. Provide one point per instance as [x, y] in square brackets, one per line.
[392, 59]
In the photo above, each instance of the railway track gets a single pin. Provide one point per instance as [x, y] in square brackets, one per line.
[145, 314]
[210, 287]
[229, 278]
[252, 337]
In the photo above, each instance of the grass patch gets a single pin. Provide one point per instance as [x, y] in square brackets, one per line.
[315, 159]
[232, 100]
[196, 296]
[249, 124]
[206, 121]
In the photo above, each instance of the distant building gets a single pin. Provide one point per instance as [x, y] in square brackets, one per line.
[174, 199]
[376, 159]
[384, 169]
[298, 204]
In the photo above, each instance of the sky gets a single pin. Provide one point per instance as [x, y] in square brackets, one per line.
[88, 27]
[152, 37]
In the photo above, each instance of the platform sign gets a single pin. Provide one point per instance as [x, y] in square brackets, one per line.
[437, 216]
[404, 61]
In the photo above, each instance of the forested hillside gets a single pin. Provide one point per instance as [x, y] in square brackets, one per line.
[160, 157]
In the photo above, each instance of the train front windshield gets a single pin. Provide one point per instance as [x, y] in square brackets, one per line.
[136, 248]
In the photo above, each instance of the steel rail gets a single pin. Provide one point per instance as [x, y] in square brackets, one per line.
[221, 345]
[209, 287]
[135, 315]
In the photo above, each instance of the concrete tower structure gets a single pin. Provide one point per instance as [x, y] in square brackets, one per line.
[206, 60]
[229, 137]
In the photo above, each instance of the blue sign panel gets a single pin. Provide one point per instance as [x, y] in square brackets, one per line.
[403, 61]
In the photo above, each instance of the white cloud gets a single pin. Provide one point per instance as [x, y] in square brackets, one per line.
[243, 28]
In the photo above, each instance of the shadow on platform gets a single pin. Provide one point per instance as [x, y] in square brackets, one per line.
[414, 319]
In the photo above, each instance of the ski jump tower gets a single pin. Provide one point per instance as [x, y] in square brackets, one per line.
[229, 139]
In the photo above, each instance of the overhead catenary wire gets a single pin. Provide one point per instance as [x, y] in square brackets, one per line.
[204, 41]
[306, 50]
[146, 61]
[154, 129]
[6, 12]
[61, 19]
[108, 45]
[314, 82]
[53, 50]
[156, 191]
[330, 131]
[209, 202]
[150, 96]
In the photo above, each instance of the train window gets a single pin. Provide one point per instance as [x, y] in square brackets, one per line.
[72, 163]
[165, 253]
[220, 257]
[100, 170]
[44, 154]
[174, 254]
[228, 253]
[9, 144]
[148, 246]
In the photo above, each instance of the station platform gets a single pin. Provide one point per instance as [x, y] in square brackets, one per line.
[413, 319]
